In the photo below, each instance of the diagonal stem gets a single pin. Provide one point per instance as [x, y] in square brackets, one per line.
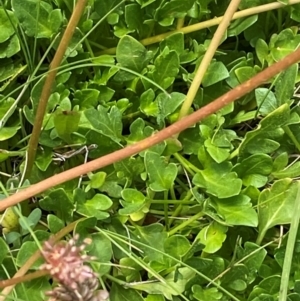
[208, 56]
[37, 127]
[209, 23]
[168, 132]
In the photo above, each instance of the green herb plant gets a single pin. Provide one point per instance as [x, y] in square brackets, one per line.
[100, 135]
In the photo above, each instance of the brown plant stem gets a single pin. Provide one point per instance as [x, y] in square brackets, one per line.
[53, 68]
[19, 276]
[28, 277]
[173, 129]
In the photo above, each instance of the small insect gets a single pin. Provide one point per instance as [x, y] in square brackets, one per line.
[58, 157]
[64, 156]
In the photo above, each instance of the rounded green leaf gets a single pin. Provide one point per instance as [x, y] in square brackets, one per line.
[8, 132]
[8, 23]
[284, 43]
[276, 205]
[55, 224]
[216, 72]
[131, 54]
[132, 196]
[99, 202]
[27, 249]
[218, 180]
[236, 210]
[97, 179]
[161, 174]
[37, 17]
[212, 237]
[177, 246]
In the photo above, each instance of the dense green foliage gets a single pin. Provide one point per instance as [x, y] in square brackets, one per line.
[202, 216]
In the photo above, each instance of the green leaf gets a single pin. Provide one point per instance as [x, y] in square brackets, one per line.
[97, 179]
[284, 43]
[30, 221]
[44, 158]
[172, 146]
[86, 98]
[295, 15]
[132, 196]
[212, 237]
[9, 73]
[59, 202]
[3, 249]
[292, 171]
[8, 132]
[236, 278]
[154, 297]
[111, 188]
[216, 72]
[66, 123]
[166, 68]
[8, 23]
[174, 42]
[134, 18]
[270, 285]
[258, 140]
[266, 101]
[206, 294]
[33, 289]
[252, 257]
[177, 246]
[244, 73]
[153, 236]
[131, 54]
[275, 205]
[134, 204]
[147, 104]
[119, 293]
[236, 210]
[95, 206]
[35, 216]
[103, 7]
[144, 3]
[84, 226]
[173, 9]
[262, 50]
[239, 25]
[169, 103]
[101, 248]
[168, 288]
[253, 168]
[37, 17]
[129, 168]
[161, 174]
[217, 153]
[218, 180]
[27, 249]
[108, 124]
[10, 47]
[132, 274]
[280, 162]
[285, 85]
[190, 140]
[55, 224]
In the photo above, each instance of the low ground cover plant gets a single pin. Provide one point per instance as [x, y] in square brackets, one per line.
[209, 214]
